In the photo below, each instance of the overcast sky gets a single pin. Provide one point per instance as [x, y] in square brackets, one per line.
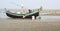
[16, 4]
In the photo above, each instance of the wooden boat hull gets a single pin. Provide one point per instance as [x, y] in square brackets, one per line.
[29, 16]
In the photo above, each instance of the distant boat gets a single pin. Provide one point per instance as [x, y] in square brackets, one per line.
[26, 15]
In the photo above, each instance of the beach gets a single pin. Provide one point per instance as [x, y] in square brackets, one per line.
[44, 15]
[43, 24]
[47, 22]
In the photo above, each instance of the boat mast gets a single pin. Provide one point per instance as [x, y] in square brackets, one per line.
[22, 4]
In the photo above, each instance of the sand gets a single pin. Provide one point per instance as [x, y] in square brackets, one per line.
[10, 24]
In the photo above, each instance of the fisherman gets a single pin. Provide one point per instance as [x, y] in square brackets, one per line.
[23, 10]
[29, 11]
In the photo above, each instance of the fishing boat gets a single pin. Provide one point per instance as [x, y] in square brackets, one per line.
[26, 15]
[29, 14]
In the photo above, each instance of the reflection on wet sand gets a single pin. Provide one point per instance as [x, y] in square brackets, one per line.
[49, 24]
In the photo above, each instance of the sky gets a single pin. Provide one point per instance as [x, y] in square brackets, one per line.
[31, 4]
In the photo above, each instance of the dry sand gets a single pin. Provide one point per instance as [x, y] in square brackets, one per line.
[9, 24]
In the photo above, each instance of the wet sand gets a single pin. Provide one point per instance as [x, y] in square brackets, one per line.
[10, 24]
[46, 24]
